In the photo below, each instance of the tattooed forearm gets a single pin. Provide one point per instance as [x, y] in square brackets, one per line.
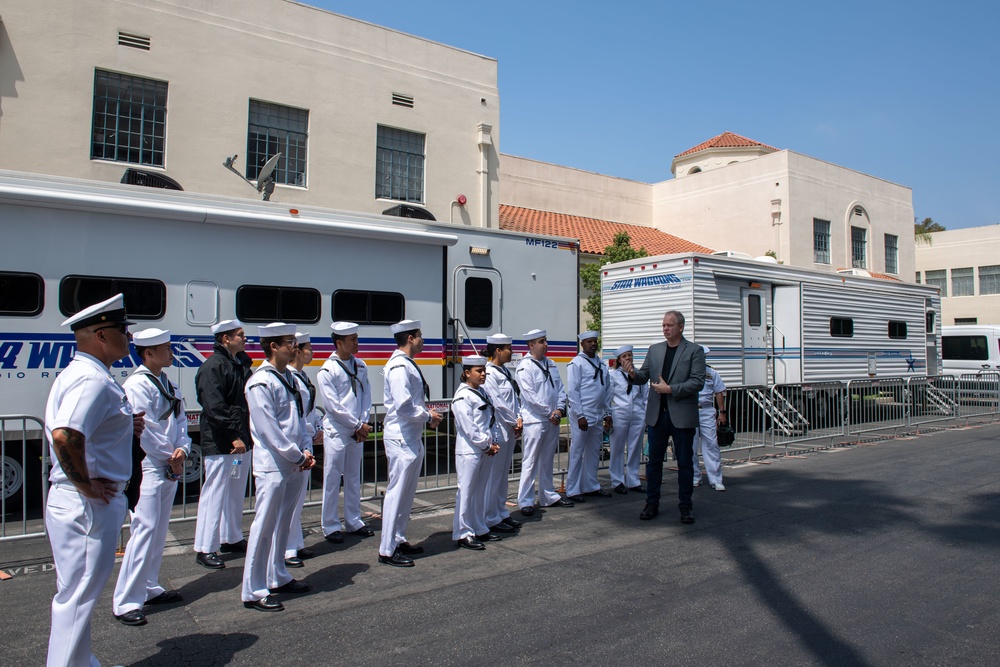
[69, 446]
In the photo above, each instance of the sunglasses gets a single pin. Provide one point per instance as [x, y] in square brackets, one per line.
[121, 327]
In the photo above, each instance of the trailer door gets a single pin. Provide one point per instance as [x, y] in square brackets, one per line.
[475, 313]
[755, 348]
[786, 335]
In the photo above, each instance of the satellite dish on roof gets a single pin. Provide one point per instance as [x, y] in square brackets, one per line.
[264, 184]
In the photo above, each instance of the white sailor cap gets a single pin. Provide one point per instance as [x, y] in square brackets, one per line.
[344, 328]
[302, 337]
[226, 325]
[405, 325]
[706, 348]
[535, 333]
[588, 334]
[110, 311]
[151, 337]
[499, 339]
[473, 360]
[622, 350]
[277, 330]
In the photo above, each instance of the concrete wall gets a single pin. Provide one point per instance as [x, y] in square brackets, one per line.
[962, 248]
[216, 56]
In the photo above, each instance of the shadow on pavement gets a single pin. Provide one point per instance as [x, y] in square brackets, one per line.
[198, 649]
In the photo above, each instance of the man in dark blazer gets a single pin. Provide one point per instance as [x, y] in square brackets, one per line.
[675, 370]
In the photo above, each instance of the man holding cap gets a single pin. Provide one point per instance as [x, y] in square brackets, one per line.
[589, 405]
[166, 445]
[89, 425]
[406, 415]
[277, 423]
[542, 408]
[628, 407]
[343, 386]
[502, 389]
[225, 441]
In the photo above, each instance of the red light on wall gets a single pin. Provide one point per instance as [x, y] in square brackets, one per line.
[293, 211]
[631, 268]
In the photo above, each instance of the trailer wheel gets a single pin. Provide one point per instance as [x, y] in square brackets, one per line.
[13, 477]
[192, 467]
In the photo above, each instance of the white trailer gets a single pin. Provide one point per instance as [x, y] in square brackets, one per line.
[769, 324]
[186, 261]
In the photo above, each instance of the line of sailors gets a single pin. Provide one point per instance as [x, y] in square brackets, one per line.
[266, 419]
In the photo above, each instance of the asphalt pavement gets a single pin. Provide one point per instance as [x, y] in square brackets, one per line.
[881, 554]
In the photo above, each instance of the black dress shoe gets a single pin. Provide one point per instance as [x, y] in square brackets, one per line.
[527, 511]
[396, 560]
[575, 499]
[266, 604]
[336, 537]
[637, 489]
[363, 531]
[293, 586]
[620, 489]
[134, 617]
[305, 554]
[513, 523]
[687, 515]
[211, 561]
[562, 502]
[648, 512]
[489, 537]
[470, 543]
[166, 597]
[603, 493]
[294, 561]
[503, 528]
[408, 549]
[234, 548]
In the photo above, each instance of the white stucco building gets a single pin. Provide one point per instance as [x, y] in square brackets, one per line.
[965, 264]
[365, 117]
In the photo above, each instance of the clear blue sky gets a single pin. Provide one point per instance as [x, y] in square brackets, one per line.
[908, 91]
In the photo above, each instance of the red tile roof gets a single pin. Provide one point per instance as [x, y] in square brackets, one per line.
[885, 276]
[595, 235]
[726, 140]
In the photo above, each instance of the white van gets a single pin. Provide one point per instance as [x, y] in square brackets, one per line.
[970, 349]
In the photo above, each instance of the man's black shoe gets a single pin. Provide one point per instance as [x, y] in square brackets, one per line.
[562, 502]
[637, 489]
[527, 511]
[211, 561]
[134, 617]
[409, 549]
[396, 560]
[305, 554]
[603, 493]
[687, 515]
[293, 586]
[575, 499]
[648, 512]
[266, 604]
[336, 537]
[234, 548]
[489, 537]
[513, 523]
[363, 531]
[294, 561]
[470, 543]
[503, 528]
[620, 489]
[166, 597]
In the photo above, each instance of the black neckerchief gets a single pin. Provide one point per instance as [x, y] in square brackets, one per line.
[510, 378]
[427, 389]
[487, 404]
[288, 386]
[629, 380]
[175, 403]
[544, 369]
[353, 376]
[596, 367]
[309, 385]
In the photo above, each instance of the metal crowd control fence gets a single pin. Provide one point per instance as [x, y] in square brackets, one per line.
[25, 475]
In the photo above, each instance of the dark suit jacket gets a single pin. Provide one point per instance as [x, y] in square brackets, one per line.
[686, 378]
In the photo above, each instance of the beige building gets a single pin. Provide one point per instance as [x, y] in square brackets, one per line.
[364, 117]
[965, 264]
[733, 193]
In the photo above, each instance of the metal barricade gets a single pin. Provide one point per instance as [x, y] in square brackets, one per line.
[750, 415]
[810, 411]
[932, 398]
[25, 477]
[978, 394]
[876, 404]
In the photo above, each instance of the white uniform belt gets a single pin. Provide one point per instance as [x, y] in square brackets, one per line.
[69, 485]
[706, 405]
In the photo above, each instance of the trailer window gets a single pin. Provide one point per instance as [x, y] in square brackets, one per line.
[478, 303]
[263, 303]
[365, 307]
[965, 348]
[842, 327]
[897, 329]
[145, 299]
[753, 310]
[21, 294]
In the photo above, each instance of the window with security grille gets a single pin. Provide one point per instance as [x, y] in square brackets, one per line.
[130, 119]
[821, 241]
[859, 259]
[962, 282]
[891, 253]
[399, 165]
[273, 129]
[989, 279]
[937, 278]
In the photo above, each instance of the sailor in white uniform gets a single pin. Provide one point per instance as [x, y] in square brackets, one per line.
[711, 413]
[89, 425]
[296, 552]
[543, 402]
[280, 451]
[166, 445]
[628, 407]
[406, 415]
[343, 386]
[589, 392]
[477, 438]
[502, 389]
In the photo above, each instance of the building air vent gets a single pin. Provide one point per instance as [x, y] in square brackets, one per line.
[859, 211]
[409, 211]
[402, 100]
[134, 41]
[149, 179]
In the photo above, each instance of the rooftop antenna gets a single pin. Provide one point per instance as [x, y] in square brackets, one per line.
[265, 182]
